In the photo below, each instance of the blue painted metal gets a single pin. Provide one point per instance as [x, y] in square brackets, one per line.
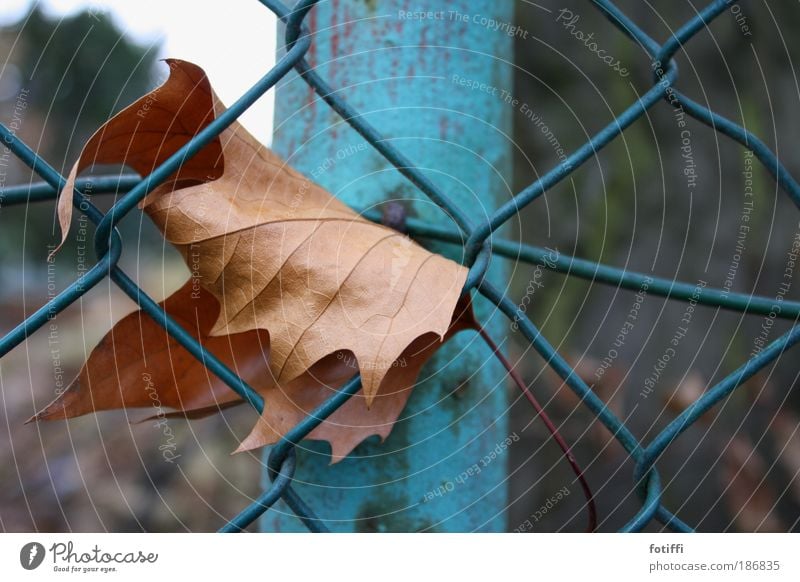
[399, 73]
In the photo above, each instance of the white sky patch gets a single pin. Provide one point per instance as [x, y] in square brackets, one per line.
[234, 41]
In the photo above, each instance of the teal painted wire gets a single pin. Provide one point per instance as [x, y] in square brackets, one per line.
[310, 422]
[294, 22]
[281, 461]
[197, 143]
[42, 191]
[714, 395]
[565, 168]
[692, 27]
[508, 248]
[477, 272]
[45, 171]
[266, 500]
[61, 301]
[284, 451]
[105, 230]
[553, 359]
[604, 137]
[562, 368]
[107, 266]
[703, 114]
[77, 288]
[650, 506]
[173, 328]
[715, 121]
[302, 510]
[646, 462]
[608, 275]
[659, 286]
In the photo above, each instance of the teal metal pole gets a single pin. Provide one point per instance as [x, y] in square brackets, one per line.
[435, 83]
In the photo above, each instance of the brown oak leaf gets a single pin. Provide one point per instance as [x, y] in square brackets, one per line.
[305, 291]
[355, 420]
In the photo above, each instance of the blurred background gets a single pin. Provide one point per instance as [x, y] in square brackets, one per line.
[646, 203]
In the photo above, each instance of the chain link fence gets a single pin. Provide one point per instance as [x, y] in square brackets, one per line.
[480, 248]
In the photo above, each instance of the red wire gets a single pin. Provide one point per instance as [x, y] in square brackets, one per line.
[587, 492]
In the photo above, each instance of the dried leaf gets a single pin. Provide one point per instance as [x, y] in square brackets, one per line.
[147, 132]
[137, 365]
[310, 292]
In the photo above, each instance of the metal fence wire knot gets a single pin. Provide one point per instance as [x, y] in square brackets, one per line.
[480, 247]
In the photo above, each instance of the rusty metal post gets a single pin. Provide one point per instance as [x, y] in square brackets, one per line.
[433, 83]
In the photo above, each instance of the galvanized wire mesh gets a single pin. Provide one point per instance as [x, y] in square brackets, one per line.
[480, 247]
